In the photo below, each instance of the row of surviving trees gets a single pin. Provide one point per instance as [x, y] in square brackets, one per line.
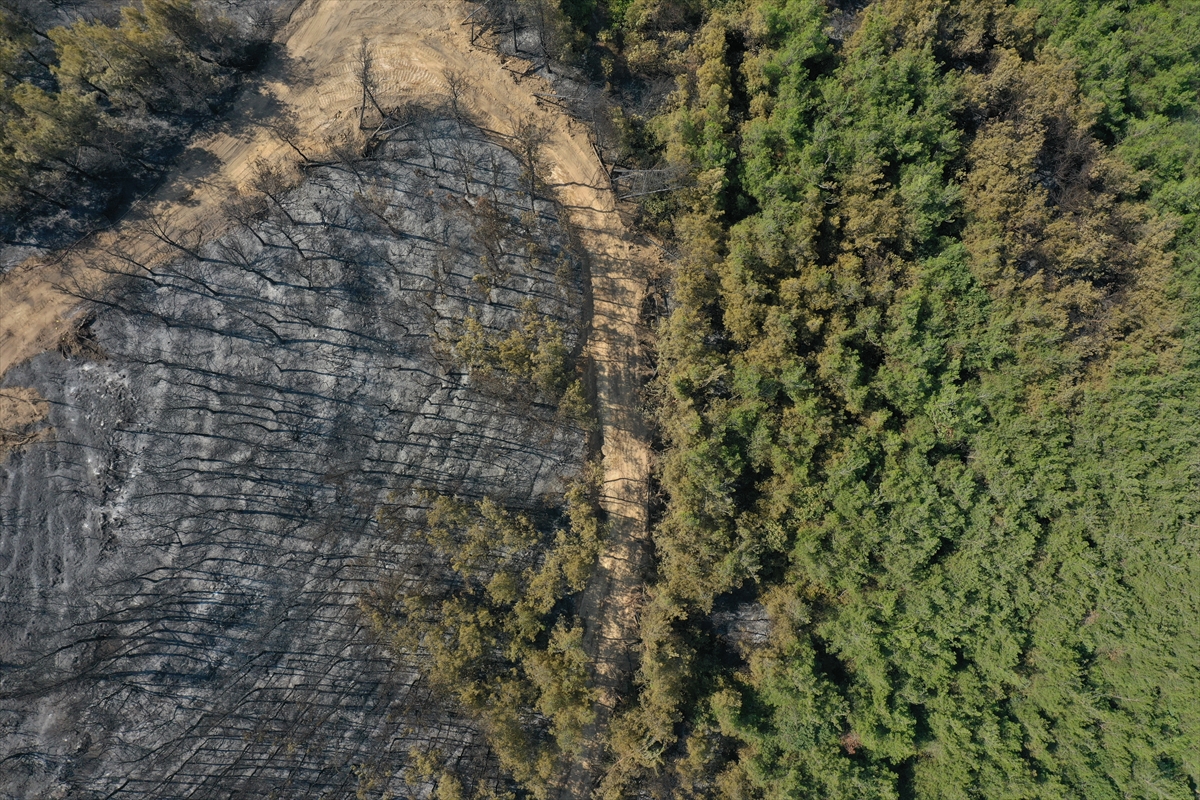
[487, 613]
[89, 109]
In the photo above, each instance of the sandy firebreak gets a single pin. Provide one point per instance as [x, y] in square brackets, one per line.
[313, 80]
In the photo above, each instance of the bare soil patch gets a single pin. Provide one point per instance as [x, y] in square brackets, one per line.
[21, 411]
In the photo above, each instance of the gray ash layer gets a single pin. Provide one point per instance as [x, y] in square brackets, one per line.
[180, 561]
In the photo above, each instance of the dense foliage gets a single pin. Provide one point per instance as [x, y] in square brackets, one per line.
[928, 391]
[89, 110]
[487, 616]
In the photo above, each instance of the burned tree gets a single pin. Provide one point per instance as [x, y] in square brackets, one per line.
[368, 83]
[529, 139]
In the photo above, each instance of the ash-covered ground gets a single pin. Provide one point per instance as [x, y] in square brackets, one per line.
[181, 556]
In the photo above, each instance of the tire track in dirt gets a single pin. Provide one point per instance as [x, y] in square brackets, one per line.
[312, 80]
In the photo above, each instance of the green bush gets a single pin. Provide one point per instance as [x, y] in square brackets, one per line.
[485, 624]
[89, 105]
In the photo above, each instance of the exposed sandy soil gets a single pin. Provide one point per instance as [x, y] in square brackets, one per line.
[415, 45]
[20, 411]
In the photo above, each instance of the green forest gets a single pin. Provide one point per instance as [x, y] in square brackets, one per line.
[928, 391]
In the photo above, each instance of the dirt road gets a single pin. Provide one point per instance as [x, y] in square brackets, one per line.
[312, 80]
